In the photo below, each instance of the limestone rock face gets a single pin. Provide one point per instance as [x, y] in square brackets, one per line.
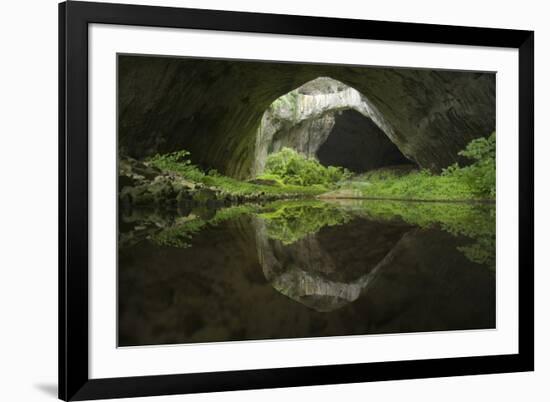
[213, 108]
[304, 118]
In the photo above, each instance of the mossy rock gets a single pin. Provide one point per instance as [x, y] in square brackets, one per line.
[204, 195]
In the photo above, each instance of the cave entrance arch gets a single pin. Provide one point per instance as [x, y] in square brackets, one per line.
[331, 121]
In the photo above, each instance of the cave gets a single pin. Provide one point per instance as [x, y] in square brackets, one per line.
[213, 108]
[358, 144]
[332, 122]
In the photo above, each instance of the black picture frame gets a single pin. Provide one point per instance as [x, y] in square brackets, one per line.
[74, 381]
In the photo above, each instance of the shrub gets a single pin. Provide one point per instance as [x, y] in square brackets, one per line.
[480, 176]
[295, 168]
[180, 163]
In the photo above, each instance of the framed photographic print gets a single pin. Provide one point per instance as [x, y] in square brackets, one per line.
[257, 200]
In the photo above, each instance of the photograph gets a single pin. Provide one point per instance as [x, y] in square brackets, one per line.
[213, 201]
[269, 200]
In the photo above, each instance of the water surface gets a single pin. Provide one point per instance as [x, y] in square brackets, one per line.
[304, 269]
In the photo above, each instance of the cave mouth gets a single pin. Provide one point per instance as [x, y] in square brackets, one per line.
[332, 122]
[359, 145]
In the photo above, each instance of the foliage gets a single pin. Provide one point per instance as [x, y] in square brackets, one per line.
[481, 174]
[476, 181]
[180, 233]
[180, 163]
[286, 221]
[288, 102]
[415, 185]
[294, 168]
[238, 187]
[289, 222]
[474, 221]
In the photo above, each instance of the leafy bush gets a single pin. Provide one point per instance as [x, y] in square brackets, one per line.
[295, 168]
[481, 174]
[178, 162]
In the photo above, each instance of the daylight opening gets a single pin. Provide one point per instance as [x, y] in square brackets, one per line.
[332, 122]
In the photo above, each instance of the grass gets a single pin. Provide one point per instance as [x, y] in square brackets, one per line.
[476, 181]
[238, 187]
[179, 163]
[290, 173]
[415, 185]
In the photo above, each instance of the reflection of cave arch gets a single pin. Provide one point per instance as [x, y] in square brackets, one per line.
[327, 119]
[316, 272]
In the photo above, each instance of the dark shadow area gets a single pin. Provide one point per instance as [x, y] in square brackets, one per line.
[358, 144]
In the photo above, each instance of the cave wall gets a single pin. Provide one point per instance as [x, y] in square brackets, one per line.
[213, 107]
[305, 137]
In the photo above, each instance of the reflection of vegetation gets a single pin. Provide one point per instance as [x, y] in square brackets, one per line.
[287, 221]
[290, 222]
[181, 232]
[475, 221]
[455, 183]
[289, 173]
[291, 167]
[180, 164]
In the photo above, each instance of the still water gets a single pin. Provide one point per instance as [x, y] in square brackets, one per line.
[304, 269]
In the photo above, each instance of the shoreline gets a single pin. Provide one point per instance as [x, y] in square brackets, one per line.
[393, 199]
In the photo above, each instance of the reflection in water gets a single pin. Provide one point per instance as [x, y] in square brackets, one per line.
[303, 269]
[328, 269]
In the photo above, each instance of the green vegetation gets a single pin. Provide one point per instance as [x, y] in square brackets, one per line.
[416, 185]
[480, 176]
[289, 173]
[293, 168]
[474, 221]
[476, 181]
[288, 101]
[286, 221]
[179, 163]
[181, 232]
[289, 222]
